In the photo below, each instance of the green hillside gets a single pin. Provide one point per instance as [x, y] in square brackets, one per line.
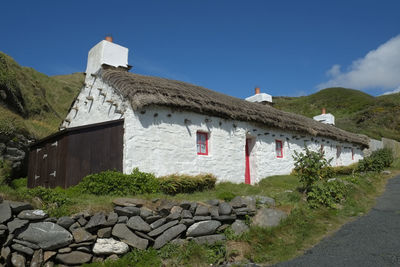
[354, 110]
[31, 102]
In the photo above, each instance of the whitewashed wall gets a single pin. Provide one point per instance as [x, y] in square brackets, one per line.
[100, 109]
[162, 140]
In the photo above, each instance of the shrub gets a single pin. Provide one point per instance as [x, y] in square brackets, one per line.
[180, 183]
[5, 172]
[345, 170]
[19, 183]
[326, 193]
[116, 183]
[377, 161]
[227, 196]
[311, 167]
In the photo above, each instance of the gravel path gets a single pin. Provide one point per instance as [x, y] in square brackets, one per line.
[371, 240]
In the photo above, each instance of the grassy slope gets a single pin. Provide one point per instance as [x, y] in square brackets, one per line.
[36, 103]
[354, 110]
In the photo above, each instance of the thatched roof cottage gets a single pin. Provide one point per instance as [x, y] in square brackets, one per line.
[123, 120]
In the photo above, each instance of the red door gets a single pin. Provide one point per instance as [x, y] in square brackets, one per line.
[247, 172]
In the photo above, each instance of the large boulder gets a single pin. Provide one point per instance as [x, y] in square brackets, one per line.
[268, 217]
[203, 228]
[74, 258]
[65, 221]
[81, 235]
[37, 258]
[32, 215]
[22, 249]
[108, 246]
[46, 235]
[16, 224]
[168, 235]
[127, 236]
[17, 207]
[263, 200]
[202, 210]
[136, 223]
[96, 221]
[127, 211]
[239, 227]
[18, 260]
[224, 208]
[5, 212]
[162, 228]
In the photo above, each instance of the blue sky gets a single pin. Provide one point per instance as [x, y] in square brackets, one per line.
[287, 48]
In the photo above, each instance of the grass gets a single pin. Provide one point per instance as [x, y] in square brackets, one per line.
[35, 102]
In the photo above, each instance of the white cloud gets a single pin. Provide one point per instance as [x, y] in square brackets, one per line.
[379, 69]
[397, 90]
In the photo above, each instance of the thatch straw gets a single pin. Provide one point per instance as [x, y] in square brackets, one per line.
[143, 91]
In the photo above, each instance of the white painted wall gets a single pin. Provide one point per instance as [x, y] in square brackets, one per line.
[104, 106]
[261, 97]
[158, 140]
[108, 53]
[327, 118]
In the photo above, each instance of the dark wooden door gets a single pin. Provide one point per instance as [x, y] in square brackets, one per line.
[51, 149]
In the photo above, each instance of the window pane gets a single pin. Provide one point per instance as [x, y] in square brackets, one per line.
[203, 148]
[198, 148]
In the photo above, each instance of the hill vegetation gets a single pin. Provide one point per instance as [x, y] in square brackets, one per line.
[31, 102]
[354, 110]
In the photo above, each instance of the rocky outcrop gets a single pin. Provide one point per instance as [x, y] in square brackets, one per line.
[29, 238]
[14, 151]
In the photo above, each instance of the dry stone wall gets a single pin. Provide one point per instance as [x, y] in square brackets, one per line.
[28, 237]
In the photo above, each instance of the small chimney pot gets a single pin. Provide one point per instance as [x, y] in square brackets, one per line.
[323, 110]
[257, 90]
[109, 38]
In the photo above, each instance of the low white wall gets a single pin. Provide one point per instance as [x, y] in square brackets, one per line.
[162, 140]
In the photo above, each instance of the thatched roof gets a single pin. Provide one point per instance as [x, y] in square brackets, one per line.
[142, 91]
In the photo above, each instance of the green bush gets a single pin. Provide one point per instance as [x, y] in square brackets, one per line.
[326, 193]
[180, 183]
[116, 183]
[19, 183]
[227, 196]
[377, 161]
[311, 167]
[5, 172]
[345, 170]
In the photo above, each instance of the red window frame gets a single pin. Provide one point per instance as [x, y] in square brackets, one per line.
[200, 142]
[279, 148]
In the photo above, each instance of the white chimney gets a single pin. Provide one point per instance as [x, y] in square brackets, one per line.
[106, 52]
[326, 118]
[262, 98]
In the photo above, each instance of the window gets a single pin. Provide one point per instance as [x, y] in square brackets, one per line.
[279, 148]
[202, 143]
